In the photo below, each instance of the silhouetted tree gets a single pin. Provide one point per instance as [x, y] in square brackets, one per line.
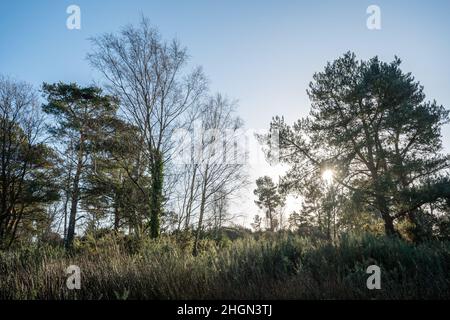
[27, 165]
[370, 122]
[80, 117]
[270, 200]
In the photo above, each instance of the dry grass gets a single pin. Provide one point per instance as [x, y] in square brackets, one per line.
[280, 267]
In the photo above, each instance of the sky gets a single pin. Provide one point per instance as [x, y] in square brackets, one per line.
[261, 52]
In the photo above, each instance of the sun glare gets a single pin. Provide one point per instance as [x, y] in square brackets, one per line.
[327, 176]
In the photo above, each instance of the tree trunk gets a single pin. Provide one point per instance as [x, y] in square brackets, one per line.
[75, 198]
[382, 206]
[385, 215]
[156, 195]
[191, 198]
[202, 211]
[116, 216]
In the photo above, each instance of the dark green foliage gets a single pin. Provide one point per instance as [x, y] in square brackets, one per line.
[371, 124]
[270, 200]
[27, 166]
[82, 116]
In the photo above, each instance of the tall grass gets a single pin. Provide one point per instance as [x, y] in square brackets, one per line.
[276, 267]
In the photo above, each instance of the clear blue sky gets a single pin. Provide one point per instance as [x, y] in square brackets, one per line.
[261, 52]
[258, 51]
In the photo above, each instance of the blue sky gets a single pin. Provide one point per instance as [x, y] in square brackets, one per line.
[261, 52]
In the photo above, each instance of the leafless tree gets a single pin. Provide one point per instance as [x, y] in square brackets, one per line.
[156, 93]
[220, 163]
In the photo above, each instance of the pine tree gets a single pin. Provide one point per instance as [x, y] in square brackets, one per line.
[371, 123]
[81, 116]
[269, 199]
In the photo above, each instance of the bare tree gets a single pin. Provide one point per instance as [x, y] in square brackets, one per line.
[221, 167]
[148, 75]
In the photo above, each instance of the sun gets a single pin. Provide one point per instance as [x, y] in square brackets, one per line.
[327, 176]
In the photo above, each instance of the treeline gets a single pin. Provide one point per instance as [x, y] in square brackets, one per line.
[368, 158]
[91, 159]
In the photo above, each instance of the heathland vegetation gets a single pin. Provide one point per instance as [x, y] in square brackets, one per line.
[133, 182]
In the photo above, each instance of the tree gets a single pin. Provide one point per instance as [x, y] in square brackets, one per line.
[318, 207]
[220, 172]
[156, 94]
[256, 224]
[81, 116]
[370, 122]
[116, 177]
[270, 199]
[219, 210]
[27, 164]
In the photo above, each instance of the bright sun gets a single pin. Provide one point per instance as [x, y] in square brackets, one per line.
[327, 176]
